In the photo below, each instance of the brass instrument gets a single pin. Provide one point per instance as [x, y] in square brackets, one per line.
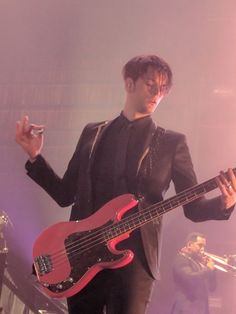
[4, 221]
[226, 264]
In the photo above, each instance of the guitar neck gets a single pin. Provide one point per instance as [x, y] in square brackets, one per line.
[142, 217]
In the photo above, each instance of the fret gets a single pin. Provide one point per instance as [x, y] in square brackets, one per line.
[142, 217]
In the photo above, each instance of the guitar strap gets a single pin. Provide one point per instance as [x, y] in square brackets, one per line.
[148, 166]
[149, 162]
[151, 157]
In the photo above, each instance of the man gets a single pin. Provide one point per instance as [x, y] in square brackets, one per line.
[129, 154]
[194, 276]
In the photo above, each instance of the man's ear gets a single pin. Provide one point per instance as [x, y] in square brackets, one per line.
[129, 85]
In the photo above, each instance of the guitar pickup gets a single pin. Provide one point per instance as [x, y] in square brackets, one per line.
[43, 264]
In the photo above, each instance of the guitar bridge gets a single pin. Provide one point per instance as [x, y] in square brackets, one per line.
[43, 264]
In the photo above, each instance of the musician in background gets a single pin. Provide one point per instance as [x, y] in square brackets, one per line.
[194, 276]
[129, 154]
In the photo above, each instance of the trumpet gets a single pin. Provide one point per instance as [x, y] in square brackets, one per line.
[224, 264]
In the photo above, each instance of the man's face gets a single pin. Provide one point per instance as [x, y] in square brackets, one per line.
[146, 92]
[197, 247]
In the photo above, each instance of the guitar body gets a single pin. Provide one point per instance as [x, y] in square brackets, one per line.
[68, 255]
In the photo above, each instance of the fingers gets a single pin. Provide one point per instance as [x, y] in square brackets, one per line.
[19, 131]
[227, 185]
[24, 128]
[29, 137]
[36, 130]
[25, 124]
[227, 182]
[221, 186]
[232, 178]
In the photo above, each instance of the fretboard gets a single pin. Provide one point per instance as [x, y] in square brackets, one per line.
[144, 216]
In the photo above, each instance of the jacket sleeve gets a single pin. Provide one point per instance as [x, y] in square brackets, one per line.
[62, 190]
[184, 177]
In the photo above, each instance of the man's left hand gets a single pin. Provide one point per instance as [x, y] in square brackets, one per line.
[227, 184]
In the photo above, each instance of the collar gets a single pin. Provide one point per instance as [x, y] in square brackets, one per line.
[137, 122]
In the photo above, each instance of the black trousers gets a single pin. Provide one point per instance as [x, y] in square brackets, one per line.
[126, 290]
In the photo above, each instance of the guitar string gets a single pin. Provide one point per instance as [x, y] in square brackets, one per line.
[102, 231]
[165, 202]
[100, 235]
[61, 260]
[189, 190]
[101, 238]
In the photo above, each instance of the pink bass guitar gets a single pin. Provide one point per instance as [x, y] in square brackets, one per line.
[68, 255]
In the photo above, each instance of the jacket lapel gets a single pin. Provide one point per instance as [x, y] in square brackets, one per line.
[101, 130]
[146, 147]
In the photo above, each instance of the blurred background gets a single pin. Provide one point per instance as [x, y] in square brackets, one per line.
[60, 63]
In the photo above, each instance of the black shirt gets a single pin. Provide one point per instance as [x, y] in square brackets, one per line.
[117, 157]
[115, 168]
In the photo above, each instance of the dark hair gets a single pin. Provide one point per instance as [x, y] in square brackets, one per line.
[192, 237]
[139, 65]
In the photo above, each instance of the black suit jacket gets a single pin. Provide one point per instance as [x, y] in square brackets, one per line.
[157, 167]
